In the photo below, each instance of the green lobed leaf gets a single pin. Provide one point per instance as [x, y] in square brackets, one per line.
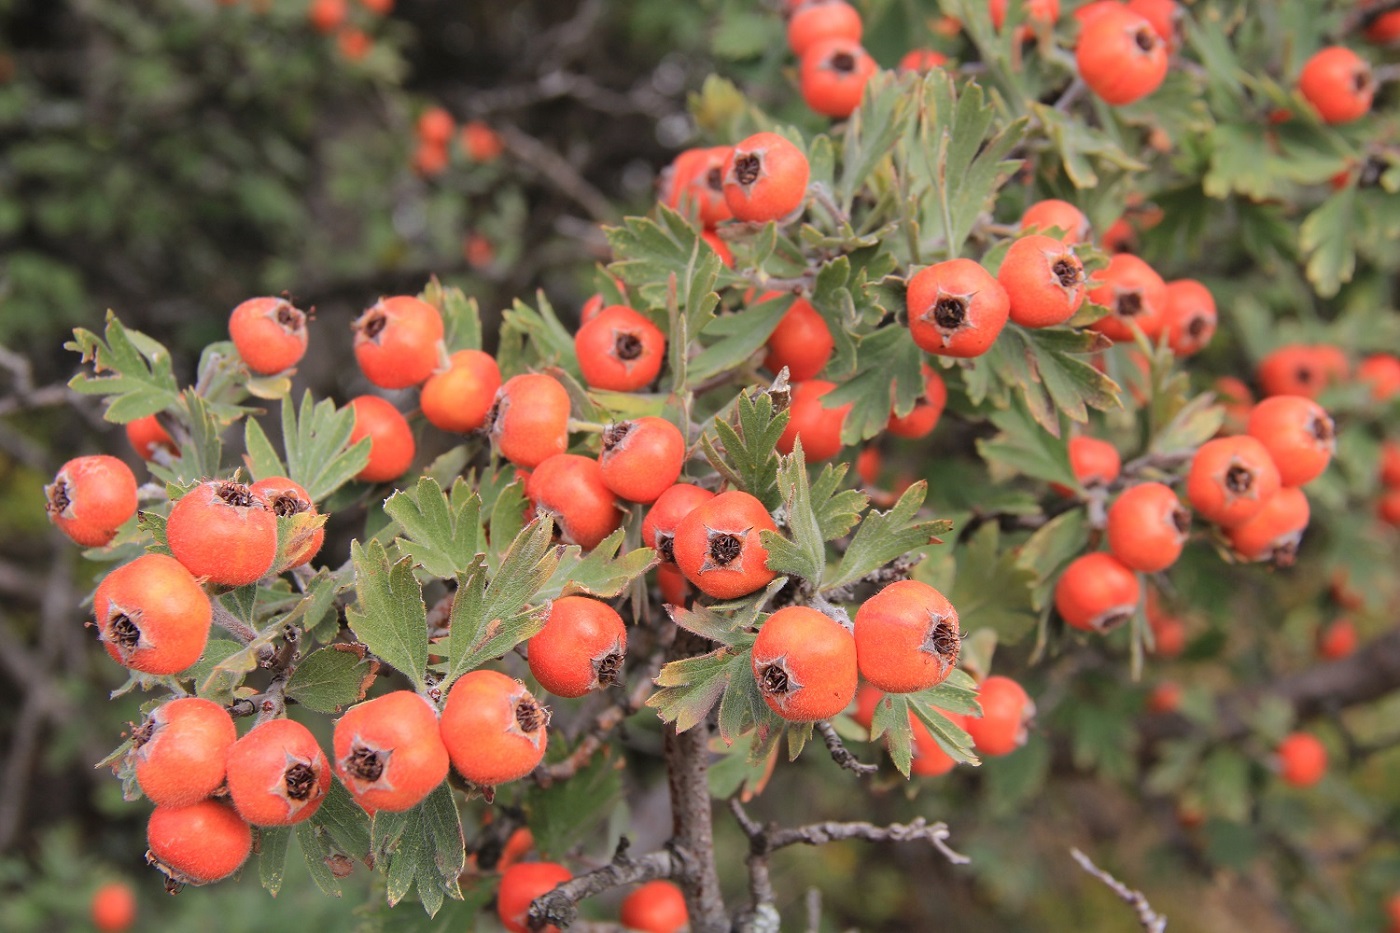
[1048, 367]
[315, 442]
[741, 335]
[742, 706]
[261, 458]
[804, 553]
[389, 617]
[1050, 549]
[600, 572]
[722, 628]
[272, 856]
[1327, 238]
[461, 318]
[888, 371]
[342, 825]
[691, 687]
[745, 452]
[130, 369]
[314, 849]
[991, 589]
[837, 510]
[442, 529]
[531, 339]
[886, 109]
[329, 679]
[1023, 447]
[507, 520]
[885, 536]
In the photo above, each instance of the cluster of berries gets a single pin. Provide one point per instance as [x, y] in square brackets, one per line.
[436, 131]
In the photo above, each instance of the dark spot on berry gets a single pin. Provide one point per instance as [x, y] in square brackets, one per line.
[725, 548]
[58, 496]
[1323, 429]
[124, 632]
[714, 179]
[290, 318]
[530, 716]
[1069, 273]
[237, 495]
[608, 670]
[782, 399]
[950, 313]
[614, 434]
[665, 546]
[373, 323]
[773, 680]
[1146, 39]
[365, 763]
[1198, 327]
[1129, 304]
[1361, 80]
[747, 168]
[944, 640]
[628, 346]
[1239, 479]
[1181, 520]
[1304, 375]
[300, 779]
[288, 504]
[843, 62]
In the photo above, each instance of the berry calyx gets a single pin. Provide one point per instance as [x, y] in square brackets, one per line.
[1044, 281]
[833, 75]
[719, 549]
[520, 885]
[152, 616]
[1147, 527]
[288, 499]
[223, 532]
[569, 488]
[1007, 711]
[1134, 293]
[659, 525]
[581, 647]
[388, 752]
[620, 350]
[818, 427]
[765, 178]
[269, 334]
[277, 774]
[1298, 433]
[530, 421]
[396, 341]
[199, 844]
[1120, 56]
[907, 637]
[1190, 317]
[642, 458]
[956, 308]
[1097, 593]
[459, 398]
[391, 444]
[805, 664]
[494, 730]
[1230, 479]
[90, 498]
[180, 751]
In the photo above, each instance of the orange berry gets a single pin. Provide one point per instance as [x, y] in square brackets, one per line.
[1298, 434]
[833, 75]
[1164, 698]
[1165, 17]
[1294, 369]
[655, 907]
[1045, 12]
[580, 648]
[277, 774]
[327, 15]
[90, 498]
[1120, 56]
[1230, 480]
[694, 185]
[1168, 634]
[223, 532]
[570, 489]
[1274, 532]
[1044, 281]
[923, 418]
[1006, 714]
[530, 420]
[1388, 507]
[152, 616]
[1382, 372]
[494, 730]
[391, 444]
[1190, 316]
[721, 248]
[922, 61]
[1095, 462]
[1338, 640]
[516, 848]
[801, 341]
[956, 308]
[1147, 527]
[436, 126]
[620, 350]
[1338, 83]
[113, 907]
[147, 436]
[199, 844]
[817, 426]
[287, 498]
[396, 341]
[659, 526]
[431, 159]
[1134, 292]
[1053, 214]
[718, 547]
[459, 398]
[269, 334]
[1097, 593]
[805, 664]
[1235, 397]
[642, 458]
[1302, 759]
[819, 20]
[870, 463]
[389, 753]
[1390, 463]
[480, 142]
[520, 885]
[907, 637]
[765, 178]
[180, 749]
[354, 44]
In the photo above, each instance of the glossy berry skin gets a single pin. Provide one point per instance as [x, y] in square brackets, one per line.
[1230, 480]
[1294, 369]
[805, 664]
[520, 885]
[152, 616]
[391, 444]
[833, 75]
[1298, 433]
[1302, 759]
[641, 458]
[90, 498]
[1337, 640]
[665, 514]
[148, 436]
[570, 489]
[802, 342]
[821, 20]
[655, 907]
[1054, 214]
[530, 423]
[1382, 372]
[286, 499]
[817, 426]
[199, 844]
[1006, 710]
[1121, 57]
[907, 637]
[718, 546]
[1190, 317]
[277, 774]
[695, 185]
[223, 532]
[1095, 462]
[459, 398]
[388, 752]
[921, 61]
[180, 751]
[765, 178]
[620, 350]
[113, 907]
[923, 418]
[1147, 527]
[269, 334]
[1135, 293]
[580, 648]
[956, 308]
[1338, 83]
[396, 341]
[1097, 593]
[494, 730]
[1275, 532]
[1044, 281]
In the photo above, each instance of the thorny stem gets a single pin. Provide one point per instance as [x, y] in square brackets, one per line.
[1151, 921]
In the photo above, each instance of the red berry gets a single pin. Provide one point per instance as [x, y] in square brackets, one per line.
[179, 751]
[459, 398]
[1006, 713]
[1164, 698]
[1275, 532]
[327, 15]
[277, 774]
[1044, 281]
[655, 907]
[435, 125]
[1338, 640]
[1237, 401]
[1095, 462]
[113, 907]
[641, 459]
[620, 350]
[1388, 507]
[152, 616]
[287, 498]
[659, 526]
[1302, 759]
[817, 426]
[805, 664]
[391, 444]
[223, 532]
[923, 418]
[1298, 434]
[1338, 83]
[765, 178]
[907, 637]
[956, 308]
[1382, 372]
[580, 648]
[269, 334]
[1147, 527]
[1165, 17]
[90, 498]
[493, 728]
[1121, 57]
[1133, 292]
[520, 885]
[819, 20]
[389, 753]
[833, 76]
[1035, 11]
[1390, 463]
[354, 44]
[396, 342]
[801, 341]
[199, 844]
[1230, 479]
[870, 463]
[721, 248]
[147, 436]
[1295, 369]
[570, 489]
[1097, 593]
[1190, 316]
[530, 421]
[718, 546]
[930, 760]
[922, 61]
[480, 142]
[1168, 632]
[1053, 214]
[694, 184]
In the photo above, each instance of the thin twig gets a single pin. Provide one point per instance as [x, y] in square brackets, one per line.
[1151, 921]
[841, 754]
[560, 906]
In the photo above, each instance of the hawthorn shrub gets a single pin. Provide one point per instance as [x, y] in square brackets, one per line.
[903, 481]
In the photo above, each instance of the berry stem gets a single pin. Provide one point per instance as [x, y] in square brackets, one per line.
[236, 627]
